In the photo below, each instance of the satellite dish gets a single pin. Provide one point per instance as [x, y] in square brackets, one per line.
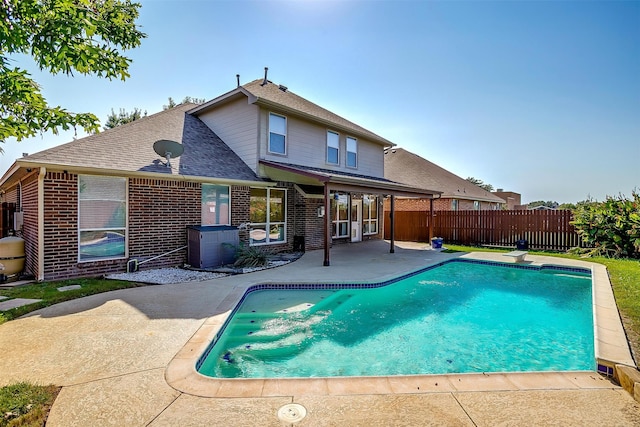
[168, 149]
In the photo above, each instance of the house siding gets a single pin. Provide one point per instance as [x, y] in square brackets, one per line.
[236, 123]
[307, 146]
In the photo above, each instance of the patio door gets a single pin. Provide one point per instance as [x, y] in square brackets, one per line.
[356, 220]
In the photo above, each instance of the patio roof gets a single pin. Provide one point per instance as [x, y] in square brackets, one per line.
[340, 181]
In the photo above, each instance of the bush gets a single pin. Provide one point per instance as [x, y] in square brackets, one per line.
[611, 227]
[250, 257]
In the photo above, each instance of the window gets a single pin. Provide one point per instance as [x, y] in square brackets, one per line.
[476, 205]
[267, 213]
[339, 215]
[333, 148]
[454, 204]
[369, 214]
[352, 152]
[102, 217]
[277, 134]
[215, 204]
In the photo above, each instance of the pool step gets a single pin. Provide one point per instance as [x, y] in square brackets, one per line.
[330, 303]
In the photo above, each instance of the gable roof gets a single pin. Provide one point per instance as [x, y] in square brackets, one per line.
[128, 149]
[281, 99]
[404, 166]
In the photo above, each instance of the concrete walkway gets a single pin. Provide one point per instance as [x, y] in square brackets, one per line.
[110, 353]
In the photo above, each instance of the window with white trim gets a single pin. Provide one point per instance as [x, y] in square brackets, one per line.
[215, 205]
[268, 216]
[339, 215]
[352, 152]
[333, 148]
[102, 217]
[277, 134]
[454, 204]
[476, 205]
[369, 214]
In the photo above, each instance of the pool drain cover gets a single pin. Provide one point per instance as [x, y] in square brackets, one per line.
[292, 413]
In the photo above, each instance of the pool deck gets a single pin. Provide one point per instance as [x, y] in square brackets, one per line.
[127, 358]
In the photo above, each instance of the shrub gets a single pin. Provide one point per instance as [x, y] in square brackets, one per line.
[611, 227]
[250, 256]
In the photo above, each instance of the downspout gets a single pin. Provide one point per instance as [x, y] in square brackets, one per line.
[41, 175]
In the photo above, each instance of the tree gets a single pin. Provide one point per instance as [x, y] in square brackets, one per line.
[123, 117]
[186, 99]
[611, 227]
[479, 183]
[62, 36]
[548, 204]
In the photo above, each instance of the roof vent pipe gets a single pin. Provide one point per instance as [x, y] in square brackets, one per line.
[238, 79]
[265, 81]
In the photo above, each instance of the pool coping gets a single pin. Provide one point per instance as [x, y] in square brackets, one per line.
[610, 342]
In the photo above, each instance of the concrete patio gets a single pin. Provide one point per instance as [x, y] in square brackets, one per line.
[111, 353]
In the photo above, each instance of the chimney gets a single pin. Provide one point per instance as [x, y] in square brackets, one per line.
[265, 81]
[238, 79]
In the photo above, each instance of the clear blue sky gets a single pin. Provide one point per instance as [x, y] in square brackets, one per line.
[541, 97]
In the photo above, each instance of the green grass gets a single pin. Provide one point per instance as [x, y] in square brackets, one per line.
[49, 294]
[625, 280]
[26, 405]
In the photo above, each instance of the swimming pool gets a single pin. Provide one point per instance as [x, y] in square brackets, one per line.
[455, 317]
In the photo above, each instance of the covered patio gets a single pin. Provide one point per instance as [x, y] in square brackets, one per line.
[341, 192]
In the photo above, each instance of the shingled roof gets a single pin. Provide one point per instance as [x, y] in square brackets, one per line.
[129, 148]
[406, 167]
[281, 99]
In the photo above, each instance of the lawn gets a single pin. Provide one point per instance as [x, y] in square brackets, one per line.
[49, 294]
[26, 405]
[625, 280]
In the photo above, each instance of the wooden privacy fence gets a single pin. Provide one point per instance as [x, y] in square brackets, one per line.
[547, 230]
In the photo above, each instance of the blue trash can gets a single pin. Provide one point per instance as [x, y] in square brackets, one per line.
[522, 245]
[436, 242]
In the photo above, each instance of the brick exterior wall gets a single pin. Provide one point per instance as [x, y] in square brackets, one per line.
[61, 226]
[159, 213]
[240, 196]
[30, 225]
[306, 221]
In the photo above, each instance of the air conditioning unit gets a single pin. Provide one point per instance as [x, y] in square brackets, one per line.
[18, 220]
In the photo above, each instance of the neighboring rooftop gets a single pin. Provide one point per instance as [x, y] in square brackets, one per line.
[129, 148]
[406, 167]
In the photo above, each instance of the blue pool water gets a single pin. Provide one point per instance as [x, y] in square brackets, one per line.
[458, 317]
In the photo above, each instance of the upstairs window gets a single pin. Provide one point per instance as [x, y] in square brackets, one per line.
[277, 134]
[102, 217]
[215, 204]
[352, 152]
[333, 148]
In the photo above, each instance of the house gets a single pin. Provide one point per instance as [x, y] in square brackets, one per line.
[513, 199]
[456, 193]
[284, 171]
